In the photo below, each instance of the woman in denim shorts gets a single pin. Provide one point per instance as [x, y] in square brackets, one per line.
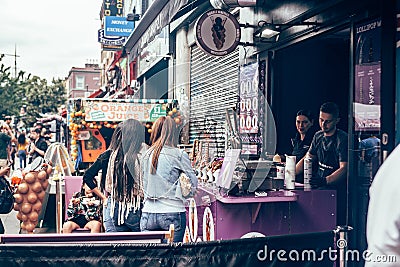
[161, 165]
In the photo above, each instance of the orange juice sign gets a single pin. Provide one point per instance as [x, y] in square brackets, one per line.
[120, 111]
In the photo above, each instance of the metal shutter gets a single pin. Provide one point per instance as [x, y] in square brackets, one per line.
[213, 88]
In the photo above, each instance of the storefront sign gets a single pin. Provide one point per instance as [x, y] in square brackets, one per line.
[217, 32]
[118, 26]
[113, 7]
[110, 40]
[151, 24]
[120, 111]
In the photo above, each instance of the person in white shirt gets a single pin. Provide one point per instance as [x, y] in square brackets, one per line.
[383, 219]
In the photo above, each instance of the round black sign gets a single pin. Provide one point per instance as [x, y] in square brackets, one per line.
[217, 32]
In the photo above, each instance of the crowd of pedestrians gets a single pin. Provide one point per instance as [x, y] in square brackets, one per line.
[18, 147]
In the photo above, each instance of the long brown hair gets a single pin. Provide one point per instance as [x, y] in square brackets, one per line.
[156, 129]
[130, 134]
[168, 137]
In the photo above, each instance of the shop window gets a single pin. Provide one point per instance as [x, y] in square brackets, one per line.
[93, 143]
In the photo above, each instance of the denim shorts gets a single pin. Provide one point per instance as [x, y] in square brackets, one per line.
[161, 222]
[131, 223]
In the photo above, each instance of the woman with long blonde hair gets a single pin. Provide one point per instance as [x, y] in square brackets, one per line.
[162, 165]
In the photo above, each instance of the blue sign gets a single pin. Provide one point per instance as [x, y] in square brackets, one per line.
[118, 26]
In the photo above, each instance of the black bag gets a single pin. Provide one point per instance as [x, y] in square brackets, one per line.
[6, 196]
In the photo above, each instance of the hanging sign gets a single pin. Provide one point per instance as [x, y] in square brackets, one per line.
[118, 26]
[217, 32]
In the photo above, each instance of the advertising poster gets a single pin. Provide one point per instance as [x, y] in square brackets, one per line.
[248, 105]
[367, 73]
[251, 107]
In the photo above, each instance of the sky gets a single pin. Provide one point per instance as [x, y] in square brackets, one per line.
[50, 36]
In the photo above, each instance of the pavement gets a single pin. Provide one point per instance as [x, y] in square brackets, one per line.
[10, 222]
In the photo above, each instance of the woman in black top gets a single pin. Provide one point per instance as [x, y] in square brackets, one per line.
[302, 141]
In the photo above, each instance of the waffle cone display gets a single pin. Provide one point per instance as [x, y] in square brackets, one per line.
[29, 196]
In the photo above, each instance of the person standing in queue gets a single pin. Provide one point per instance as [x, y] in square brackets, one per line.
[162, 165]
[124, 178]
[329, 151]
[39, 146]
[302, 140]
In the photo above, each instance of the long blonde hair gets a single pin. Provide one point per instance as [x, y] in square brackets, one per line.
[169, 137]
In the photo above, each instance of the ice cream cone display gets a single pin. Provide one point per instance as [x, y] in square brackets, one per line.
[186, 236]
[193, 220]
[208, 225]
[29, 196]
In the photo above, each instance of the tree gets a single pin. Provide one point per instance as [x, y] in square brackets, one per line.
[10, 92]
[34, 93]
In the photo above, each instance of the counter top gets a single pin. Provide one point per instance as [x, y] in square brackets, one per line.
[271, 196]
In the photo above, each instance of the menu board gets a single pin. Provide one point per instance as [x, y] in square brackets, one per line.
[251, 108]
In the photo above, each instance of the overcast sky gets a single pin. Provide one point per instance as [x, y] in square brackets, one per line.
[51, 36]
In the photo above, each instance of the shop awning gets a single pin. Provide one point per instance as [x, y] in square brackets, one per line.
[158, 15]
[95, 94]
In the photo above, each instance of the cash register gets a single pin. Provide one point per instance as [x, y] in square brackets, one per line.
[261, 175]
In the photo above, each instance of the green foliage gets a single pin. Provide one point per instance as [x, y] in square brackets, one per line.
[36, 94]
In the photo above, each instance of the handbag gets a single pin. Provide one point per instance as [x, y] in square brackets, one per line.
[6, 196]
[186, 185]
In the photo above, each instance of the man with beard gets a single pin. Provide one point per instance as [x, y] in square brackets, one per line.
[329, 151]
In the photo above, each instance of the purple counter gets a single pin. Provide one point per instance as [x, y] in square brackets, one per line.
[278, 213]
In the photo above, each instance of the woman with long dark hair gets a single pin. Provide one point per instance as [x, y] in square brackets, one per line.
[162, 165]
[123, 178]
[120, 184]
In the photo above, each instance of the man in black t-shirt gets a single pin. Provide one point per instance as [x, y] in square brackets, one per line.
[39, 146]
[329, 151]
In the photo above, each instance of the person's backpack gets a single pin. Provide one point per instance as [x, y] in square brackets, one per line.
[6, 196]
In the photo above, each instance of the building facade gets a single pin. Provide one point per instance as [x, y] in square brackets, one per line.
[82, 82]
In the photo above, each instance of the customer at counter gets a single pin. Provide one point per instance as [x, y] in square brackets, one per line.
[329, 150]
[162, 165]
[302, 141]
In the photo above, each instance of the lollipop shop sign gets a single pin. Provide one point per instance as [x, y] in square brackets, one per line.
[120, 111]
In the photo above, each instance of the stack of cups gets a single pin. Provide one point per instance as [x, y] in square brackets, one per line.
[290, 172]
[280, 171]
[307, 173]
